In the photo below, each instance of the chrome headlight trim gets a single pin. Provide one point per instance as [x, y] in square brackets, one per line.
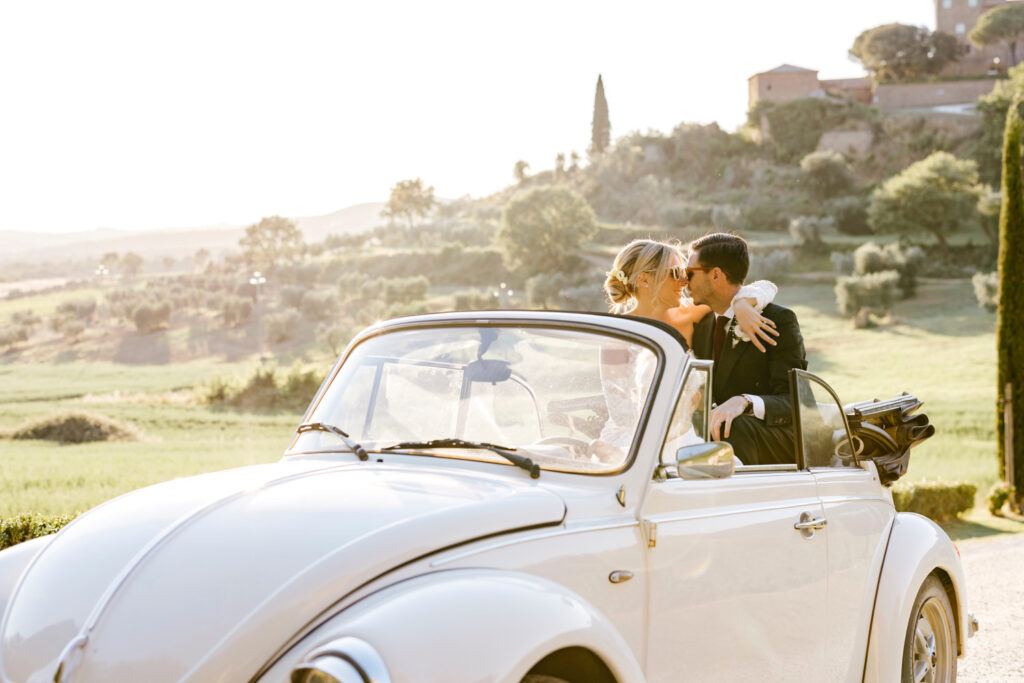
[344, 657]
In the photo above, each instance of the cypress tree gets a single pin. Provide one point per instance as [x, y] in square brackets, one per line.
[1010, 316]
[601, 128]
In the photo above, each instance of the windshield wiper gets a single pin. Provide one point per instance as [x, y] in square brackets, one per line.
[504, 451]
[324, 427]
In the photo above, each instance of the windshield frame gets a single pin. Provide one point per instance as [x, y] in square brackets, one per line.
[508, 322]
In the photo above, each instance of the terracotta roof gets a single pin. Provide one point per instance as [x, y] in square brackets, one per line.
[789, 68]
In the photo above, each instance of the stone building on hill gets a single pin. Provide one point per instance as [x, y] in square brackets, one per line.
[956, 17]
[788, 82]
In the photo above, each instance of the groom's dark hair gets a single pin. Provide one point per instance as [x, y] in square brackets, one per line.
[725, 251]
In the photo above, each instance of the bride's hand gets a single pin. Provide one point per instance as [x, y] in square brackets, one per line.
[753, 324]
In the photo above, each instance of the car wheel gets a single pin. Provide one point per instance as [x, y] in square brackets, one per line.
[929, 650]
[534, 678]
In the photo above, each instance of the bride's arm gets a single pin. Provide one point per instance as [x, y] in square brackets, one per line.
[747, 306]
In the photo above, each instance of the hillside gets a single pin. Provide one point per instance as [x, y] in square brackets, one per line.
[175, 242]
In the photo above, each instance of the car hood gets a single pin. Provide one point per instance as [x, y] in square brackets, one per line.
[174, 580]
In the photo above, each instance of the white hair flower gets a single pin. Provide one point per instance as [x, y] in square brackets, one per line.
[619, 275]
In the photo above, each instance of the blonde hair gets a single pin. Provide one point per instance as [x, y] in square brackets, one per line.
[639, 256]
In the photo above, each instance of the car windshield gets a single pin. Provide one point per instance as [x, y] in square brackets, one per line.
[568, 399]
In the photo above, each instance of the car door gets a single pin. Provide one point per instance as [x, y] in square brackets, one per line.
[859, 516]
[736, 592]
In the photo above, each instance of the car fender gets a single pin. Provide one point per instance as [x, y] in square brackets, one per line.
[13, 562]
[470, 625]
[917, 547]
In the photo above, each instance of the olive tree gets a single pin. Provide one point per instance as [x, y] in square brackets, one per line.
[542, 228]
[937, 195]
[1001, 24]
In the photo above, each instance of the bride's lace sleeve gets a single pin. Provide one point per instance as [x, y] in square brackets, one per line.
[762, 291]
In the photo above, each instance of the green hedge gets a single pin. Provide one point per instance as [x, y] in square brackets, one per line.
[25, 527]
[938, 500]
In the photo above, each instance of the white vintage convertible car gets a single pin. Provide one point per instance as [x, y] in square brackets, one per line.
[503, 496]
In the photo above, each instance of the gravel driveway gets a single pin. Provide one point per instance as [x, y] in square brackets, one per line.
[995, 593]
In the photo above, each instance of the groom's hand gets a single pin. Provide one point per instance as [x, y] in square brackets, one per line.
[723, 415]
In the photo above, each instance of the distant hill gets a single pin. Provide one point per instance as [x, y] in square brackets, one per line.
[177, 242]
[356, 218]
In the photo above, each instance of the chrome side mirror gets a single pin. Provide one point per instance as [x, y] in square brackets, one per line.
[713, 460]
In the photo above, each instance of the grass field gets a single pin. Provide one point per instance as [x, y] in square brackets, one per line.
[941, 348]
[181, 437]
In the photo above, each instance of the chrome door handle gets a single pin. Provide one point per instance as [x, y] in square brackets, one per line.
[810, 524]
[620, 575]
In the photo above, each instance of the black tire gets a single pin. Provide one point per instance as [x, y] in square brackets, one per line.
[930, 645]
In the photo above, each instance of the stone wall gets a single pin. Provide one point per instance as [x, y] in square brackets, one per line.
[901, 95]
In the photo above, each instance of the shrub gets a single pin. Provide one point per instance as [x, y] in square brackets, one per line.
[397, 290]
[472, 300]
[291, 296]
[870, 258]
[772, 215]
[335, 337]
[826, 173]
[874, 291]
[317, 306]
[726, 218]
[81, 309]
[26, 318]
[71, 329]
[997, 497]
[907, 262]
[683, 215]
[13, 334]
[850, 215]
[795, 127]
[152, 315]
[236, 310]
[264, 389]
[399, 309]
[807, 231]
[76, 427]
[773, 265]
[543, 291]
[25, 527]
[842, 264]
[986, 289]
[937, 500]
[281, 326]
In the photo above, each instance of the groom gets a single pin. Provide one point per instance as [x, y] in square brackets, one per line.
[753, 409]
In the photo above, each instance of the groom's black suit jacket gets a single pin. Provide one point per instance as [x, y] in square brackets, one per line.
[742, 369]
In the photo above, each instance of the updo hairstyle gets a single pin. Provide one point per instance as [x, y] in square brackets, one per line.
[639, 256]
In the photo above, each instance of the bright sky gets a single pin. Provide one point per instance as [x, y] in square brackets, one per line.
[139, 115]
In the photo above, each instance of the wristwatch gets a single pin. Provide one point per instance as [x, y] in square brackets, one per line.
[749, 409]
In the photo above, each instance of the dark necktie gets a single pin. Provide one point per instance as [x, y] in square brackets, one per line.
[721, 324]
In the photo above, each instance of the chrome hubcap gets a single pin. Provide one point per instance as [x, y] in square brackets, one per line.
[932, 644]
